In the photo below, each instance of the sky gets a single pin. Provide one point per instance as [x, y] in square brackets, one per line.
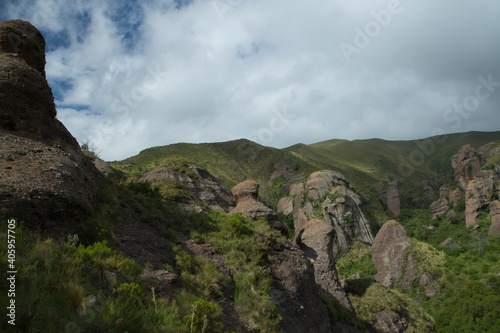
[128, 75]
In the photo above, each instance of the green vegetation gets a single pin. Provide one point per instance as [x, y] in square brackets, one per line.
[244, 247]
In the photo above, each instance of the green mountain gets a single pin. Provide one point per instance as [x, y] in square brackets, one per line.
[363, 162]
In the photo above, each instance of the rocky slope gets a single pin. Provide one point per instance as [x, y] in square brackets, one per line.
[45, 180]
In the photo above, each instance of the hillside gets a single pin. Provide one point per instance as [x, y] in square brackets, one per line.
[363, 162]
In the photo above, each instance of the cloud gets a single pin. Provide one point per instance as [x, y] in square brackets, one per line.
[130, 75]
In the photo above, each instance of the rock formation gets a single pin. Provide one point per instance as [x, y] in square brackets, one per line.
[47, 182]
[438, 208]
[389, 196]
[495, 218]
[246, 197]
[295, 293]
[207, 192]
[480, 184]
[327, 195]
[389, 252]
[317, 243]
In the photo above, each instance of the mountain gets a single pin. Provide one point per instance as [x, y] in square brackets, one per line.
[364, 162]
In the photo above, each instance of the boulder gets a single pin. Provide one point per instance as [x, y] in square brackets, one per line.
[438, 208]
[389, 252]
[285, 206]
[447, 242]
[317, 242]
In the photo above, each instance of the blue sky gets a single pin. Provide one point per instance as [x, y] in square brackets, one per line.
[128, 75]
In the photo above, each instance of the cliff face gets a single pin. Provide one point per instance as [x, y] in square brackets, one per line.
[45, 179]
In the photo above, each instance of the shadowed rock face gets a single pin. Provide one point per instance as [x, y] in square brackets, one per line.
[389, 251]
[47, 182]
[295, 293]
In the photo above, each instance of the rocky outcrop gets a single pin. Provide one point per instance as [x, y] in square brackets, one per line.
[495, 218]
[207, 192]
[389, 253]
[466, 165]
[400, 261]
[246, 197]
[295, 293]
[47, 182]
[317, 243]
[389, 196]
[438, 208]
[328, 195]
[385, 323]
[342, 210]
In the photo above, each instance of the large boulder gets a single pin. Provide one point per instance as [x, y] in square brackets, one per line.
[389, 253]
[47, 182]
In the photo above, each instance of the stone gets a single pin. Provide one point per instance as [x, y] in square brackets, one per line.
[389, 196]
[295, 293]
[466, 165]
[317, 241]
[426, 280]
[285, 206]
[246, 196]
[393, 202]
[347, 218]
[438, 208]
[387, 324]
[389, 251]
[451, 214]
[447, 242]
[495, 218]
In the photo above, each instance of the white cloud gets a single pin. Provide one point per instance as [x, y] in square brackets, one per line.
[157, 74]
